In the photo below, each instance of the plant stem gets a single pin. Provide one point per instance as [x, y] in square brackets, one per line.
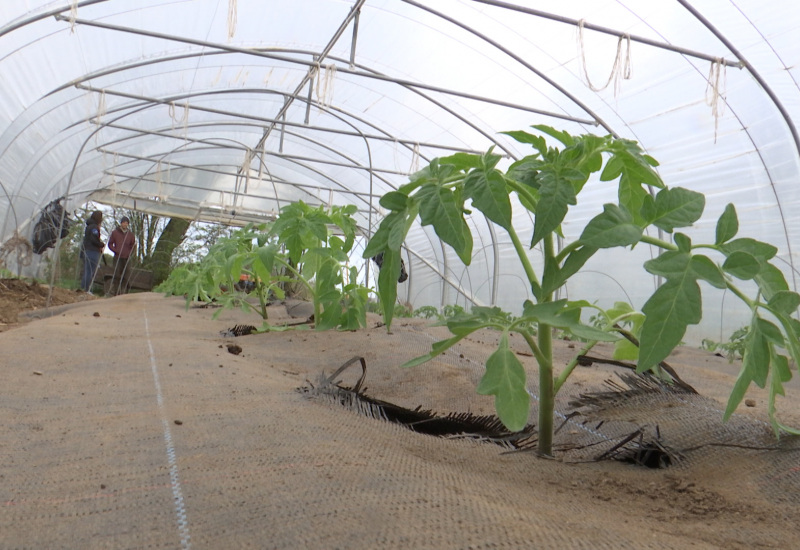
[571, 366]
[733, 288]
[658, 242]
[567, 249]
[546, 389]
[523, 258]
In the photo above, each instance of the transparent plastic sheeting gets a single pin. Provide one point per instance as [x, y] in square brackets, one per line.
[226, 110]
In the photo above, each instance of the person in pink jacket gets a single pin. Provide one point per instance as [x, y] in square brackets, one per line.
[121, 243]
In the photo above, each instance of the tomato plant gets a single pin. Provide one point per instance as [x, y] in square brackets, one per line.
[305, 245]
[547, 183]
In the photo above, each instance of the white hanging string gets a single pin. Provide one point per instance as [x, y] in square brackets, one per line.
[324, 86]
[183, 120]
[73, 15]
[249, 154]
[101, 107]
[158, 180]
[715, 91]
[415, 159]
[101, 111]
[232, 16]
[621, 69]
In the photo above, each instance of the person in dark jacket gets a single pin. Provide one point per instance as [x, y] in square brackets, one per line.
[121, 243]
[91, 249]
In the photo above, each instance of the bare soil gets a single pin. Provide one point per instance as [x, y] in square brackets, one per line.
[17, 295]
[599, 504]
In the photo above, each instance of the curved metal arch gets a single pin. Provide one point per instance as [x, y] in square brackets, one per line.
[775, 101]
[518, 59]
[149, 102]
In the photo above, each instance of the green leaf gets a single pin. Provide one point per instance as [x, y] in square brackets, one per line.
[576, 260]
[487, 189]
[394, 200]
[707, 270]
[756, 355]
[629, 162]
[614, 227]
[742, 265]
[464, 162]
[683, 242]
[437, 348]
[738, 393]
[505, 379]
[674, 305]
[677, 207]
[563, 137]
[770, 331]
[555, 196]
[785, 301]
[538, 142]
[438, 207]
[770, 280]
[760, 250]
[670, 264]
[728, 225]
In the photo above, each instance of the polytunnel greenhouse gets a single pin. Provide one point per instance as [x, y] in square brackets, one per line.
[571, 165]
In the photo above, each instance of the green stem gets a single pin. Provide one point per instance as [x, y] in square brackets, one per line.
[733, 288]
[571, 366]
[534, 347]
[546, 391]
[546, 387]
[523, 258]
[561, 256]
[658, 242]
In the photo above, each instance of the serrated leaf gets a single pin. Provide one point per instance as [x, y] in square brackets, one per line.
[555, 196]
[727, 225]
[742, 265]
[487, 189]
[678, 207]
[674, 305]
[563, 137]
[632, 196]
[634, 165]
[613, 227]
[438, 207]
[538, 142]
[505, 379]
[785, 301]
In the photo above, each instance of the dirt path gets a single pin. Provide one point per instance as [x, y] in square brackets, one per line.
[129, 424]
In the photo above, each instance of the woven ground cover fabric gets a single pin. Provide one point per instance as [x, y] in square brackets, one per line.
[127, 423]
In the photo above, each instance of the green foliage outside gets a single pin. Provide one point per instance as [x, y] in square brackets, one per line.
[734, 348]
[297, 248]
[547, 183]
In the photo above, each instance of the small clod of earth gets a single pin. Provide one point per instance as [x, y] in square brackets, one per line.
[234, 349]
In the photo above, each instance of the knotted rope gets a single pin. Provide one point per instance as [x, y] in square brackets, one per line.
[620, 70]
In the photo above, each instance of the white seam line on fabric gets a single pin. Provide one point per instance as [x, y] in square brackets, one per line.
[180, 509]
